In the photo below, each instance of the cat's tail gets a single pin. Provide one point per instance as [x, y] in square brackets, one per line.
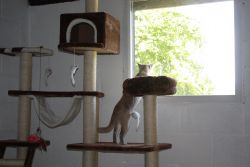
[107, 128]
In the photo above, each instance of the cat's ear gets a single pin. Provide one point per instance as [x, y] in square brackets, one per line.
[139, 65]
[150, 66]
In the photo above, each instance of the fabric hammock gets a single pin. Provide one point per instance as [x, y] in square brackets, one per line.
[49, 118]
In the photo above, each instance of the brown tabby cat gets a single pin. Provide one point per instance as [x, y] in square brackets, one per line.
[123, 110]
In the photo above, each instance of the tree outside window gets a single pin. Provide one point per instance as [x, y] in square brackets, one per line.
[173, 42]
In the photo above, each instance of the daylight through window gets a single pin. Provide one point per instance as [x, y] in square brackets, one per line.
[193, 44]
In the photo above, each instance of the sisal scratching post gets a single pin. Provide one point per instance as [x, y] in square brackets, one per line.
[90, 158]
[91, 5]
[150, 129]
[11, 163]
[24, 112]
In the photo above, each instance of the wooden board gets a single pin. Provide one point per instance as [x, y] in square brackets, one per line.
[55, 93]
[27, 162]
[80, 48]
[108, 147]
[44, 2]
[19, 143]
[35, 51]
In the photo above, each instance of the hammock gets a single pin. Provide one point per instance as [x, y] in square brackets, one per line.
[48, 117]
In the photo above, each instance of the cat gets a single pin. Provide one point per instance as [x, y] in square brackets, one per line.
[124, 110]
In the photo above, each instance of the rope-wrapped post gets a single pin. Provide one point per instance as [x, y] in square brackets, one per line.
[24, 113]
[150, 129]
[150, 88]
[11, 163]
[90, 158]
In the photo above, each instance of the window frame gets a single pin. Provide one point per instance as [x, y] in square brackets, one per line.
[238, 97]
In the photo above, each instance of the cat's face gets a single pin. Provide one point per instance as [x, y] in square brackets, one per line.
[144, 69]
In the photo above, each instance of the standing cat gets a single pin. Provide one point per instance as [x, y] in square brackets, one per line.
[124, 109]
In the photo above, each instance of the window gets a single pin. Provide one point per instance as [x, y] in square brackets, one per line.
[192, 43]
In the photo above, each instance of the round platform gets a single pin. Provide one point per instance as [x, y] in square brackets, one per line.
[140, 86]
[36, 51]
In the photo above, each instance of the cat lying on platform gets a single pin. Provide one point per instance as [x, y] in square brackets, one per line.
[124, 109]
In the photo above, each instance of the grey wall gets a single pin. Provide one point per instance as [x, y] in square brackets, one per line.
[13, 33]
[204, 131]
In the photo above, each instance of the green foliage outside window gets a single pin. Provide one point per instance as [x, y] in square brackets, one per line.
[169, 40]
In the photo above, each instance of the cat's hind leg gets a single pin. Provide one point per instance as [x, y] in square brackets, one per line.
[115, 135]
[124, 131]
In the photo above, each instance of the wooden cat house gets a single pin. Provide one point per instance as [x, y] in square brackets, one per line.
[96, 31]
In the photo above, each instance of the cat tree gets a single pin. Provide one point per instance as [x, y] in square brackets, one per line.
[106, 41]
[148, 88]
[24, 155]
[89, 34]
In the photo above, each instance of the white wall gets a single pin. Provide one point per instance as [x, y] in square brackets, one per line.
[205, 132]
